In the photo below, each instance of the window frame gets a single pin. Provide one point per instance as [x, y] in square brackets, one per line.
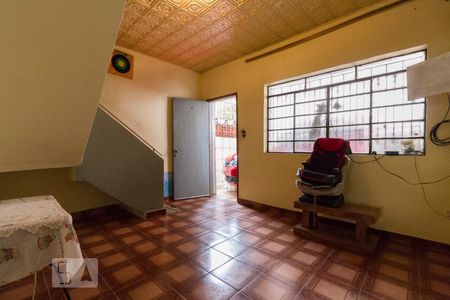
[328, 99]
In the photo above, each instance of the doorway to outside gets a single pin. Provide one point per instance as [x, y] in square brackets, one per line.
[224, 160]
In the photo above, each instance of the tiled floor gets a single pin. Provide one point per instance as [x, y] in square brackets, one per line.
[218, 249]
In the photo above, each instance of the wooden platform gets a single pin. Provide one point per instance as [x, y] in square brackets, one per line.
[357, 240]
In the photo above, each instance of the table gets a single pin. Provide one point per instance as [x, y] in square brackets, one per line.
[357, 240]
[33, 231]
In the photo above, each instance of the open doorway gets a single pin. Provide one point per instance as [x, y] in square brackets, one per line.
[224, 160]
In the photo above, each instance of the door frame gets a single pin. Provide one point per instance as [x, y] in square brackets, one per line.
[212, 167]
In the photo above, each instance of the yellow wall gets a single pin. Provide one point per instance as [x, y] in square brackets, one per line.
[144, 103]
[72, 195]
[54, 58]
[269, 178]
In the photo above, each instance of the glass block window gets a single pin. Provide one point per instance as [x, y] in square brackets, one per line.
[366, 104]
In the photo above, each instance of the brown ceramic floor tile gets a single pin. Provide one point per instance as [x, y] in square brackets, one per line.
[211, 259]
[179, 224]
[102, 248]
[289, 272]
[247, 238]
[81, 294]
[131, 239]
[158, 231]
[85, 230]
[240, 296]
[211, 238]
[255, 258]
[113, 259]
[162, 258]
[147, 289]
[182, 275]
[18, 292]
[304, 257]
[100, 292]
[171, 238]
[93, 238]
[332, 290]
[145, 224]
[145, 247]
[195, 230]
[266, 287]
[316, 247]
[273, 247]
[275, 224]
[438, 257]
[351, 257]
[210, 287]
[389, 289]
[264, 230]
[111, 224]
[235, 273]
[231, 248]
[440, 287]
[165, 219]
[244, 224]
[342, 271]
[394, 272]
[392, 246]
[122, 230]
[396, 258]
[256, 218]
[439, 269]
[190, 248]
[153, 258]
[287, 237]
[228, 230]
[125, 274]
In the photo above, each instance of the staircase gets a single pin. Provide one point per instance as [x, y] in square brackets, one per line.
[120, 163]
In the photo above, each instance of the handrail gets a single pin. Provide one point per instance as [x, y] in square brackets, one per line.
[130, 130]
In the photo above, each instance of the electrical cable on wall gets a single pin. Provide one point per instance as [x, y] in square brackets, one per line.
[375, 159]
[434, 131]
[423, 190]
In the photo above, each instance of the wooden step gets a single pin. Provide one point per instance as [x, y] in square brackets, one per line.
[338, 237]
[346, 211]
[358, 240]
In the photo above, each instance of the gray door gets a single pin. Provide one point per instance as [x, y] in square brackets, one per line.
[190, 148]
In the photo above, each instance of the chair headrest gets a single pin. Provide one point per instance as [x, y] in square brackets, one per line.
[330, 144]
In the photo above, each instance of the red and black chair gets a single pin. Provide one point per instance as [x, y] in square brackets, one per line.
[322, 177]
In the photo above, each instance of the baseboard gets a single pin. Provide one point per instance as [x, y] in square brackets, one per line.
[111, 210]
[264, 207]
[157, 212]
[298, 214]
[95, 212]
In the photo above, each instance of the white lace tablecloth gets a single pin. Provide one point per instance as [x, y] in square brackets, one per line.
[33, 231]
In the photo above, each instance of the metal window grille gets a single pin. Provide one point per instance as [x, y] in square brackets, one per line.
[366, 104]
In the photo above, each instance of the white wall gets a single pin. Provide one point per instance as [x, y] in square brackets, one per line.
[54, 58]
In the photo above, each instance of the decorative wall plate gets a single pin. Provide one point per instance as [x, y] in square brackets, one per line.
[121, 64]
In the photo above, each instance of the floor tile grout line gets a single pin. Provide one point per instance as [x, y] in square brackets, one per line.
[46, 285]
[109, 286]
[315, 272]
[362, 285]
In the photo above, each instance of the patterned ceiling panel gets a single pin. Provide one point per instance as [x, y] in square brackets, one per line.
[202, 34]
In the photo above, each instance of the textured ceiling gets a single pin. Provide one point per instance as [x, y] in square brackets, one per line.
[202, 34]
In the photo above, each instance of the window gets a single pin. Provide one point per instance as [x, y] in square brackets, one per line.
[366, 104]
